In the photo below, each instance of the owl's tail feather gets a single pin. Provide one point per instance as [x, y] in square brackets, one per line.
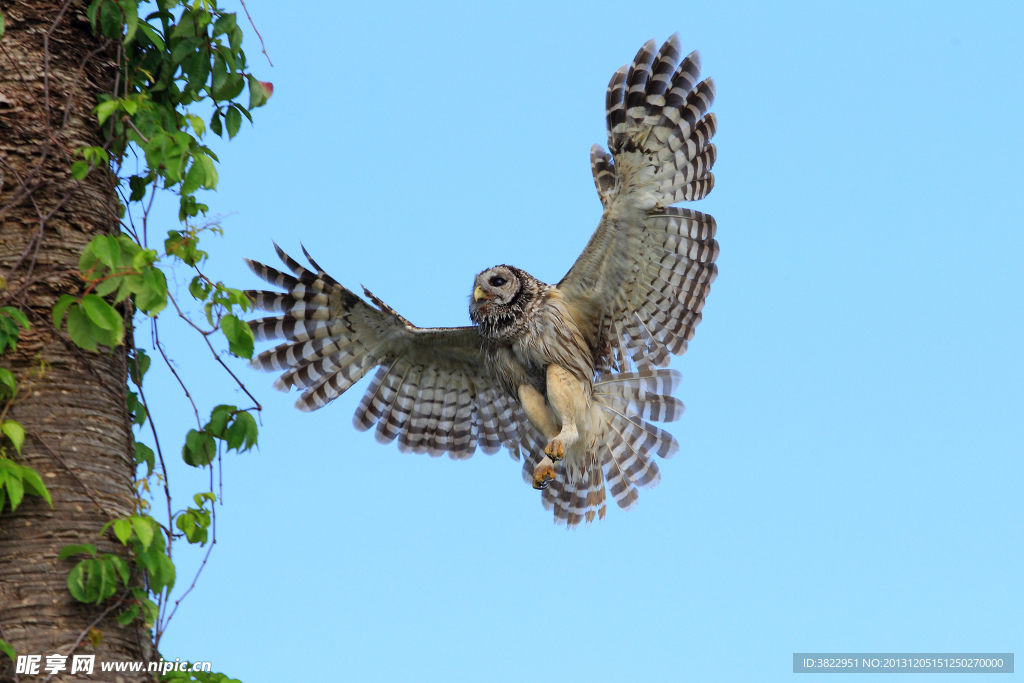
[621, 455]
[659, 130]
[577, 500]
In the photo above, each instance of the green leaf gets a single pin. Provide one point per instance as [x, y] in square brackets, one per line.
[136, 409]
[110, 20]
[107, 250]
[7, 380]
[94, 7]
[93, 579]
[123, 530]
[153, 35]
[163, 573]
[219, 419]
[15, 432]
[128, 616]
[79, 169]
[233, 121]
[80, 329]
[15, 490]
[108, 286]
[194, 178]
[143, 258]
[138, 185]
[198, 125]
[199, 449]
[235, 38]
[76, 582]
[105, 109]
[186, 26]
[210, 178]
[139, 365]
[197, 68]
[119, 565]
[145, 528]
[3, 28]
[230, 87]
[199, 288]
[103, 314]
[34, 484]
[258, 94]
[156, 564]
[215, 124]
[220, 73]
[184, 48]
[69, 550]
[152, 295]
[224, 24]
[96, 580]
[62, 306]
[239, 335]
[16, 314]
[241, 435]
[131, 14]
[144, 454]
[130, 106]
[5, 647]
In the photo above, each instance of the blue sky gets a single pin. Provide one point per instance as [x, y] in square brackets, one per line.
[850, 472]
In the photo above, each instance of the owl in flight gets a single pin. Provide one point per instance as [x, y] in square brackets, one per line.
[565, 376]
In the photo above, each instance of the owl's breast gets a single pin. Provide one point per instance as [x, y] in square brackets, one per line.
[550, 335]
[553, 336]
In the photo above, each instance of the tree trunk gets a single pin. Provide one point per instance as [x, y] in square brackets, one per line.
[73, 405]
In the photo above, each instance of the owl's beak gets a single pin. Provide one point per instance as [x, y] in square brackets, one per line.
[479, 293]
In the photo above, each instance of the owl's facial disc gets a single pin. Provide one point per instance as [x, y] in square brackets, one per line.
[493, 289]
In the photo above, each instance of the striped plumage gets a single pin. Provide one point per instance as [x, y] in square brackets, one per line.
[564, 376]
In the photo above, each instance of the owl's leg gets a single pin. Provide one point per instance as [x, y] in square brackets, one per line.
[537, 413]
[566, 397]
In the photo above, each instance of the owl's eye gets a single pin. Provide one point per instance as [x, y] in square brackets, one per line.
[497, 281]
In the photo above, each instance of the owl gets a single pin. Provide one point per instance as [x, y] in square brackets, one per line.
[569, 376]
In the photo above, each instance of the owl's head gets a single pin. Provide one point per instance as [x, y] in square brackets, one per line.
[499, 300]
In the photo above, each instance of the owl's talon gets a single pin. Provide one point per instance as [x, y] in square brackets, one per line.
[555, 449]
[543, 473]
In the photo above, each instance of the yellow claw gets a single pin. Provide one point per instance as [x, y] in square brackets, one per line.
[555, 449]
[542, 474]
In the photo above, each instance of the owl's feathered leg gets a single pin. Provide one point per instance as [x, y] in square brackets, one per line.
[568, 399]
[539, 416]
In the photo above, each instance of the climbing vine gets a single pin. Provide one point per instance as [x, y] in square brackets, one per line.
[182, 76]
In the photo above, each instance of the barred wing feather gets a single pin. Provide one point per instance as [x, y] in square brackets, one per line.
[644, 276]
[431, 390]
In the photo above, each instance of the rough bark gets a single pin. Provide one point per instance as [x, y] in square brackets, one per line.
[78, 434]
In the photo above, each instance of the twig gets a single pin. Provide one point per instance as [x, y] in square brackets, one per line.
[184, 595]
[46, 63]
[128, 119]
[156, 441]
[251, 23]
[206, 338]
[39, 233]
[78, 76]
[160, 348]
[85, 487]
[103, 615]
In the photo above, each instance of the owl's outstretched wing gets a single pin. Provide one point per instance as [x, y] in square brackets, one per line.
[431, 391]
[643, 278]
